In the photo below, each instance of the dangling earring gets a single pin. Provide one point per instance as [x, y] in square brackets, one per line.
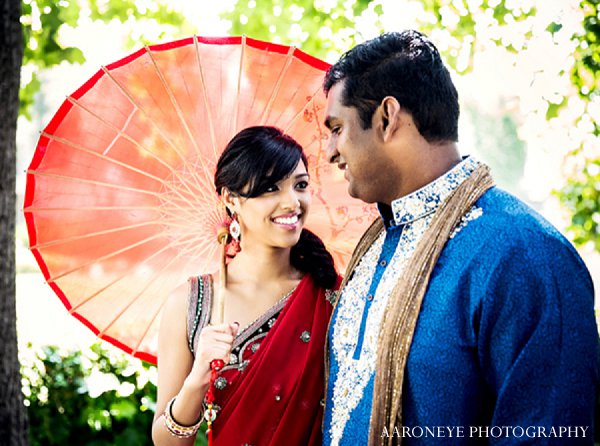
[235, 232]
[234, 227]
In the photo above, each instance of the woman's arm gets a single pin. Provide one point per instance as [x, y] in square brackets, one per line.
[179, 374]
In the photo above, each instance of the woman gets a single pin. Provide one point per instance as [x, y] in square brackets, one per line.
[276, 308]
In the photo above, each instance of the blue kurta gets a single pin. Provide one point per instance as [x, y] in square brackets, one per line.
[506, 345]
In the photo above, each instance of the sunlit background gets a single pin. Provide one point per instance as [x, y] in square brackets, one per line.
[513, 77]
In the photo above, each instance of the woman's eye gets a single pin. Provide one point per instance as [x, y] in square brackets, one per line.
[272, 188]
[302, 185]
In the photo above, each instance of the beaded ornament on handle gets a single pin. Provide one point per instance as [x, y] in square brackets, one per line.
[217, 365]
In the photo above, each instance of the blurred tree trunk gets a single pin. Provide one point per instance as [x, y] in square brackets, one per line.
[13, 416]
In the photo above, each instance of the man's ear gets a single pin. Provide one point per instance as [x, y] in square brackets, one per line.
[388, 117]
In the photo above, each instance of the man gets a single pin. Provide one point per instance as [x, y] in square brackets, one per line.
[465, 316]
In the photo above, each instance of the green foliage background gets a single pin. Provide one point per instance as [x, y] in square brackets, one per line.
[581, 195]
[91, 398]
[326, 29]
[62, 410]
[43, 20]
[274, 19]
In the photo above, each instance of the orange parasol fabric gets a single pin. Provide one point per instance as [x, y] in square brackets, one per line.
[120, 204]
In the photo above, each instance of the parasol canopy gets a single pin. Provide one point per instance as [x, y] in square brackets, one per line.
[120, 204]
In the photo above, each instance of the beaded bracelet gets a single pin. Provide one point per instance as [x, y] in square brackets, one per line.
[176, 429]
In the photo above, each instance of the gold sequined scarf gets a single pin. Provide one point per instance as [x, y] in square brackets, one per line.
[404, 304]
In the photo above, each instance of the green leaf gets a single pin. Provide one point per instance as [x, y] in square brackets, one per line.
[59, 415]
[554, 108]
[43, 49]
[359, 6]
[27, 96]
[123, 409]
[554, 27]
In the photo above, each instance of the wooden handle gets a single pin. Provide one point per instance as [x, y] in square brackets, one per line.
[222, 237]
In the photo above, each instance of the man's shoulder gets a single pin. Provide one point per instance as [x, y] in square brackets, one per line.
[507, 229]
[504, 217]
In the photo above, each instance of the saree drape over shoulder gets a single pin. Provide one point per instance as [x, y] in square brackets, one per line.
[271, 392]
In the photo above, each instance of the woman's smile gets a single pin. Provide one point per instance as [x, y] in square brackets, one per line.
[289, 221]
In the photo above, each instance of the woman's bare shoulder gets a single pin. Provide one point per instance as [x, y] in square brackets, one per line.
[178, 301]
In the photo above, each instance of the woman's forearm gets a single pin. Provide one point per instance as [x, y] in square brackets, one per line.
[186, 410]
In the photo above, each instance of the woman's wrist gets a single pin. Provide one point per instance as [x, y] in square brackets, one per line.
[199, 376]
[186, 406]
[196, 384]
[177, 429]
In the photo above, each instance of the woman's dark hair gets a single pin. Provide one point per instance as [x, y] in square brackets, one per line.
[407, 66]
[253, 161]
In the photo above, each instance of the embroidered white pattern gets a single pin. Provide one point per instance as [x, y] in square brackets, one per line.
[354, 374]
[473, 214]
[415, 212]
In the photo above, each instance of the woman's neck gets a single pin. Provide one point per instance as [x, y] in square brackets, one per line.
[263, 264]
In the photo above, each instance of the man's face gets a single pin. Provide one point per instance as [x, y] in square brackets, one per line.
[356, 151]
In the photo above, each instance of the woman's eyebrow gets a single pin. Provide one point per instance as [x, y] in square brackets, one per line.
[295, 177]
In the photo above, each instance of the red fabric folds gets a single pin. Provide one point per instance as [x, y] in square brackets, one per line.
[277, 399]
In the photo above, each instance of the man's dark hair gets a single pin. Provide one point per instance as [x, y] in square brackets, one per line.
[405, 65]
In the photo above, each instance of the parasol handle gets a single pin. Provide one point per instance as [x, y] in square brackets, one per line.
[217, 365]
[222, 237]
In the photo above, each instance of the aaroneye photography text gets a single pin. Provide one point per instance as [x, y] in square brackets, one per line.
[486, 432]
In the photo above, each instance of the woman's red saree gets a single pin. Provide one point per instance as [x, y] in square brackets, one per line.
[273, 395]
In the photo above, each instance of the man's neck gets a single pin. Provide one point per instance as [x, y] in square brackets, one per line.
[435, 161]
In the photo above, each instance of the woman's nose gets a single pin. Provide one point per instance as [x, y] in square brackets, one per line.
[291, 200]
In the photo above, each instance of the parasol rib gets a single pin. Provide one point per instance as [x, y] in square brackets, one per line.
[105, 257]
[288, 62]
[97, 183]
[91, 208]
[116, 138]
[239, 86]
[162, 208]
[135, 350]
[154, 125]
[211, 127]
[198, 198]
[198, 251]
[103, 156]
[217, 218]
[121, 133]
[179, 112]
[118, 279]
[281, 112]
[138, 295]
[73, 238]
[301, 112]
[110, 186]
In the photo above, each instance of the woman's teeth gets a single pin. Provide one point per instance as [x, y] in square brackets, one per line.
[286, 220]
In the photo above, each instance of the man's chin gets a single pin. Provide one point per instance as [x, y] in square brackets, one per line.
[355, 193]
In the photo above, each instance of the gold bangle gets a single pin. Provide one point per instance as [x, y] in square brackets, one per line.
[176, 429]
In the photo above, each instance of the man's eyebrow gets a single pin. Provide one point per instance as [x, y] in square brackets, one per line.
[328, 122]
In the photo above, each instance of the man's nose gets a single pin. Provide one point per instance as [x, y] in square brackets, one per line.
[331, 152]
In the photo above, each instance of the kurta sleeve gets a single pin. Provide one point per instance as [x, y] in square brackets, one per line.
[538, 342]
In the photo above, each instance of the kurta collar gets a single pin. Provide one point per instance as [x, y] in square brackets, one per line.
[427, 200]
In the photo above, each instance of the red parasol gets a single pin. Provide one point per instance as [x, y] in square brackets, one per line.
[120, 204]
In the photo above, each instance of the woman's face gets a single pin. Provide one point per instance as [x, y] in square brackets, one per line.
[276, 217]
